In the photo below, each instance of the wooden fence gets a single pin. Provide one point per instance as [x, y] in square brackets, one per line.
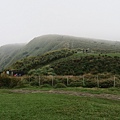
[85, 80]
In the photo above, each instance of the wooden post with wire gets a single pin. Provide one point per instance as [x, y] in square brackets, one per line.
[98, 84]
[83, 80]
[114, 81]
[52, 80]
[39, 80]
[67, 81]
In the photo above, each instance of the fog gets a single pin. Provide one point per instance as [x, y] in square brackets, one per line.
[21, 21]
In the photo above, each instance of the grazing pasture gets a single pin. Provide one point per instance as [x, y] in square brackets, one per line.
[52, 106]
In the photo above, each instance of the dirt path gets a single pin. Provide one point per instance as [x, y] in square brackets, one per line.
[106, 96]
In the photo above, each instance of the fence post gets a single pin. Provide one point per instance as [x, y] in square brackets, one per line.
[114, 81]
[39, 80]
[83, 80]
[29, 79]
[52, 80]
[98, 85]
[67, 80]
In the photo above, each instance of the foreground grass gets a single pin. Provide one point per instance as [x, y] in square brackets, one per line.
[113, 90]
[44, 106]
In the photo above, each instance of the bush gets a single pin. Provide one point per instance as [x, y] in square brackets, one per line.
[15, 82]
[106, 83]
[61, 80]
[60, 85]
[75, 84]
[34, 83]
[90, 83]
[46, 81]
[5, 81]
[117, 83]
[8, 82]
[46, 86]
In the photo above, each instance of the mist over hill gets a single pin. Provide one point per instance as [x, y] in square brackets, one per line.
[39, 45]
[7, 53]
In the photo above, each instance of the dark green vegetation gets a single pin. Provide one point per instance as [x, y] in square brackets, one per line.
[45, 106]
[43, 44]
[60, 85]
[78, 65]
[29, 63]
[69, 62]
[8, 82]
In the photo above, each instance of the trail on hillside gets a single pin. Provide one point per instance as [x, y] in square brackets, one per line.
[104, 96]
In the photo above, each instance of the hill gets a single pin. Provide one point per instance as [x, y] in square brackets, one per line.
[7, 53]
[29, 63]
[45, 43]
[69, 62]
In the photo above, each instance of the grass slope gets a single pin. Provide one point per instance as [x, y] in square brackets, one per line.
[45, 43]
[7, 53]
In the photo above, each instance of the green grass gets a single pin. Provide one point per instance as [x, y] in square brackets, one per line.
[44, 106]
[115, 91]
[113, 54]
[95, 54]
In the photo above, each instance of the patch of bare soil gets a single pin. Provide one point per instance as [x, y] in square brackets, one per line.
[105, 96]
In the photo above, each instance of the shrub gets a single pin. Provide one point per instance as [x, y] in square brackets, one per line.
[14, 82]
[46, 86]
[62, 80]
[117, 83]
[8, 82]
[90, 83]
[46, 81]
[34, 83]
[20, 84]
[75, 84]
[5, 81]
[106, 83]
[60, 85]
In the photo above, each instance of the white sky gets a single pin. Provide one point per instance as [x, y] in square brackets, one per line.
[22, 20]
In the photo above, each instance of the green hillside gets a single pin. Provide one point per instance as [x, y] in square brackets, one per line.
[69, 62]
[7, 53]
[79, 64]
[29, 63]
[45, 43]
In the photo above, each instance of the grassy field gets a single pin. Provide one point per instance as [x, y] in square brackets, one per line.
[113, 91]
[45, 106]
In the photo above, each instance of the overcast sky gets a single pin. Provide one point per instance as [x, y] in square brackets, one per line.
[22, 20]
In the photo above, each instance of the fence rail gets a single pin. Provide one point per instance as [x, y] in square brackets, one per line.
[84, 81]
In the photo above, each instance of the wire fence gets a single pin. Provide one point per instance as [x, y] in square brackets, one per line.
[100, 81]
